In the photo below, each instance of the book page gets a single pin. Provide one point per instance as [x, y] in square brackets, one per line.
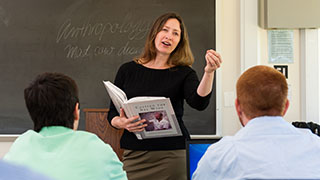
[117, 96]
[117, 91]
[144, 98]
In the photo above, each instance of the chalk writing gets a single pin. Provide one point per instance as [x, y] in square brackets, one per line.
[127, 50]
[95, 33]
[77, 52]
[135, 30]
[103, 50]
[4, 17]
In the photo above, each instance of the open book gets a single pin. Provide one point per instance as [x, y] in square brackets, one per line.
[157, 111]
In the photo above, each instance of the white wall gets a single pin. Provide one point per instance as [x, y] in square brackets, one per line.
[5, 143]
[230, 52]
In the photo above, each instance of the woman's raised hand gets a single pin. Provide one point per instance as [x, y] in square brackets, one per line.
[213, 60]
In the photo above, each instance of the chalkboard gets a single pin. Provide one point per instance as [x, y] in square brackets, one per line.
[88, 40]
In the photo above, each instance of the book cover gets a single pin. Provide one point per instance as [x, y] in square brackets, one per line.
[157, 111]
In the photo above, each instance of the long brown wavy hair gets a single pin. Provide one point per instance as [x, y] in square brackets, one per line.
[180, 56]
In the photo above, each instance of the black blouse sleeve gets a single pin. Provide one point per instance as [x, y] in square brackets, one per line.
[119, 80]
[191, 84]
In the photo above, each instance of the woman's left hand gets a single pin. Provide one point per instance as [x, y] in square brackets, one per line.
[213, 60]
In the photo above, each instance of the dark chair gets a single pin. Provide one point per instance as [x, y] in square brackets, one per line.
[314, 127]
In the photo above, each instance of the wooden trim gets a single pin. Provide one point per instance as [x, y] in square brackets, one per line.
[97, 123]
[95, 110]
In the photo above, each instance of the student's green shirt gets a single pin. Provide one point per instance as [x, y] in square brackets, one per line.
[65, 154]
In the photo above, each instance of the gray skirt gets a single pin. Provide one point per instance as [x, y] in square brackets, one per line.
[155, 165]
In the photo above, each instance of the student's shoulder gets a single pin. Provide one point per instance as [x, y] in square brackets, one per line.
[88, 136]
[28, 135]
[93, 146]
[90, 139]
[226, 142]
[223, 149]
[221, 154]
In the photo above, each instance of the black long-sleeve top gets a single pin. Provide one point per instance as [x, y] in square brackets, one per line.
[178, 83]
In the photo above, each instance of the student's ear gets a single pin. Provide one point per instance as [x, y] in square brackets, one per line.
[242, 117]
[286, 107]
[76, 115]
[238, 108]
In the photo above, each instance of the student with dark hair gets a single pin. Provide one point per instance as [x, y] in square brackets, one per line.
[268, 147]
[163, 69]
[51, 100]
[54, 147]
